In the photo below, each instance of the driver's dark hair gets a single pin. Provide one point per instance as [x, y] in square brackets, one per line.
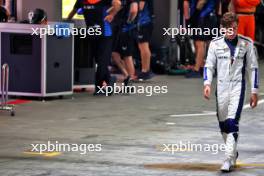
[228, 19]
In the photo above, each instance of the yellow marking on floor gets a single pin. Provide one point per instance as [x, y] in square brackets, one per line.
[184, 166]
[45, 154]
[240, 164]
[200, 166]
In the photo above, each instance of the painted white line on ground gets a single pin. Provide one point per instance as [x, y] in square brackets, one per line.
[194, 115]
[170, 123]
[209, 113]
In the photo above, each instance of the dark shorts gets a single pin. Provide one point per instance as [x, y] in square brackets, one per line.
[124, 44]
[144, 33]
[116, 29]
[209, 28]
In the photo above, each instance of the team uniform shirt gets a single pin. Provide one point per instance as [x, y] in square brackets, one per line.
[121, 18]
[125, 15]
[145, 15]
[144, 23]
[123, 40]
[209, 7]
[94, 12]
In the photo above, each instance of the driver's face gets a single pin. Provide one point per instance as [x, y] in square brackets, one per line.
[233, 28]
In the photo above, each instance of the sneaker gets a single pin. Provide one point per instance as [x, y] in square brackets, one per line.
[227, 166]
[127, 81]
[193, 74]
[112, 81]
[102, 92]
[99, 92]
[145, 76]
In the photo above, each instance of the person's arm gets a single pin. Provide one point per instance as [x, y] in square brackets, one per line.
[75, 8]
[209, 70]
[186, 9]
[8, 7]
[142, 4]
[113, 10]
[231, 7]
[253, 73]
[219, 8]
[201, 3]
[133, 11]
[71, 14]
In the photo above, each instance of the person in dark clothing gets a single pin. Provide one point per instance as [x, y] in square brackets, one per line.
[144, 33]
[123, 44]
[203, 16]
[99, 14]
[3, 14]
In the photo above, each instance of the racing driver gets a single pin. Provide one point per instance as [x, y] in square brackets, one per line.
[233, 57]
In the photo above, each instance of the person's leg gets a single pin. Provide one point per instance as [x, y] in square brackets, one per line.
[145, 54]
[222, 111]
[223, 98]
[93, 47]
[117, 49]
[200, 52]
[143, 39]
[126, 50]
[234, 112]
[120, 64]
[200, 48]
[103, 57]
[230, 125]
[130, 66]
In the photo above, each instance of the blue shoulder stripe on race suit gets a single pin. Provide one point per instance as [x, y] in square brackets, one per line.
[256, 82]
[107, 25]
[205, 74]
[243, 91]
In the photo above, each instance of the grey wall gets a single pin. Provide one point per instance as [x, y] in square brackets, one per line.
[166, 16]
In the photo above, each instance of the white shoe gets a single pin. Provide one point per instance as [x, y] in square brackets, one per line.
[227, 166]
